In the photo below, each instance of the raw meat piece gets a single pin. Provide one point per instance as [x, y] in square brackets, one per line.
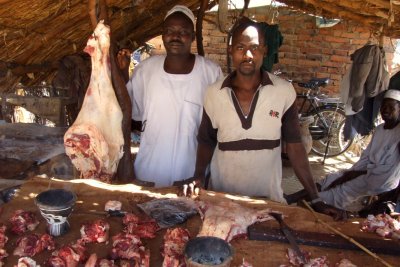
[315, 262]
[383, 225]
[246, 264]
[56, 261]
[68, 256]
[174, 246]
[113, 205]
[32, 244]
[26, 262]
[95, 232]
[3, 241]
[227, 219]
[345, 263]
[22, 221]
[95, 141]
[127, 246]
[93, 261]
[3, 237]
[143, 228]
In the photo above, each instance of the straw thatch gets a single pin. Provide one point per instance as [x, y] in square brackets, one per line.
[36, 34]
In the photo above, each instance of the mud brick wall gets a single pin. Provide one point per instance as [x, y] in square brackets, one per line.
[307, 51]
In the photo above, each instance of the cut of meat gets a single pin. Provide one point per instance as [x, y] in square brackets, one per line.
[174, 246]
[383, 225]
[95, 232]
[93, 261]
[26, 262]
[3, 241]
[3, 237]
[345, 263]
[68, 256]
[228, 219]
[32, 244]
[127, 246]
[95, 141]
[146, 228]
[246, 264]
[113, 205]
[315, 262]
[22, 221]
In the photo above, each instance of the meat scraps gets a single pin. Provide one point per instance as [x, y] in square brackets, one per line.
[3, 241]
[295, 261]
[32, 244]
[93, 261]
[95, 232]
[26, 262]
[130, 247]
[383, 225]
[144, 228]
[68, 256]
[228, 220]
[22, 221]
[95, 141]
[174, 246]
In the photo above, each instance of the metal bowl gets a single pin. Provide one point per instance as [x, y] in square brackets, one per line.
[208, 251]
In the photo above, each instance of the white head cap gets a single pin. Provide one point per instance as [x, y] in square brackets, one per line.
[393, 94]
[184, 10]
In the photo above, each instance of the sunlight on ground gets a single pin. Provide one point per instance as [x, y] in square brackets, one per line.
[291, 184]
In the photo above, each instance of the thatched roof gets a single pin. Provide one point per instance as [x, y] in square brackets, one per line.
[35, 34]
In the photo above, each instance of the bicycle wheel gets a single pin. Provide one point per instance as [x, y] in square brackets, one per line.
[331, 120]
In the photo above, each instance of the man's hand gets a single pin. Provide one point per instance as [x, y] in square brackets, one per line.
[190, 187]
[124, 58]
[335, 213]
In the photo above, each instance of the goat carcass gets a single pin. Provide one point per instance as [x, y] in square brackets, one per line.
[95, 141]
[227, 219]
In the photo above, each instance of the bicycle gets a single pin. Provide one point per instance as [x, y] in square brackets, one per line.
[329, 119]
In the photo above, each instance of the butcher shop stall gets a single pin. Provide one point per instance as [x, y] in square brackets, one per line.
[59, 209]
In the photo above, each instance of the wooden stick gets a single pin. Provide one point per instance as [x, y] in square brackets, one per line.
[347, 237]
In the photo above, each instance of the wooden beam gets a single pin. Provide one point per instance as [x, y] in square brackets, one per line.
[383, 4]
[357, 7]
[343, 13]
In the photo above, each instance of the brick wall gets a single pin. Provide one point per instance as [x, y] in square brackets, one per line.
[307, 51]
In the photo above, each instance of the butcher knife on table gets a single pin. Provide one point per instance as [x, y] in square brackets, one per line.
[289, 236]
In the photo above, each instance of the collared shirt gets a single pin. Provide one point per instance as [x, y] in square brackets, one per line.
[247, 157]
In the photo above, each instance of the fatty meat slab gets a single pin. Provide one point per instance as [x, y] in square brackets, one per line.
[95, 141]
[227, 219]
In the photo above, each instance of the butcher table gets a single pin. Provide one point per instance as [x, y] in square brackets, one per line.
[92, 196]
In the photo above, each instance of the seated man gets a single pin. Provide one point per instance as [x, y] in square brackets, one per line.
[378, 169]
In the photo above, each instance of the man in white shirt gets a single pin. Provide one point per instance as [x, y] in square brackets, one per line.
[167, 94]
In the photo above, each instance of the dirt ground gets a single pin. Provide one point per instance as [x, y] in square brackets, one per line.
[291, 184]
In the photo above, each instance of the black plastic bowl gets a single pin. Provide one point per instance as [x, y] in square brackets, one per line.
[208, 251]
[55, 199]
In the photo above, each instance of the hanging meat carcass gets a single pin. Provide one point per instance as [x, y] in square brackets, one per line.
[95, 141]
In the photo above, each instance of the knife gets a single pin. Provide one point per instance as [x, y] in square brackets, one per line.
[289, 236]
[110, 213]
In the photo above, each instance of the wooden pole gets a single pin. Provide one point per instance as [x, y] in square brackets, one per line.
[199, 27]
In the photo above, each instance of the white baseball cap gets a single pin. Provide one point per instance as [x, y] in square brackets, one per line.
[184, 10]
[393, 94]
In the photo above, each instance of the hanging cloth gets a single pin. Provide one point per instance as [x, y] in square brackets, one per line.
[273, 40]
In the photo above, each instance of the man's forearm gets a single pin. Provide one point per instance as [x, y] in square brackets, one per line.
[203, 159]
[299, 160]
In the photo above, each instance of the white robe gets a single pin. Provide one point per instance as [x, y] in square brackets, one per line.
[170, 107]
[381, 160]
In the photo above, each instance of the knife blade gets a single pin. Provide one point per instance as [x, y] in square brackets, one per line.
[289, 236]
[110, 213]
